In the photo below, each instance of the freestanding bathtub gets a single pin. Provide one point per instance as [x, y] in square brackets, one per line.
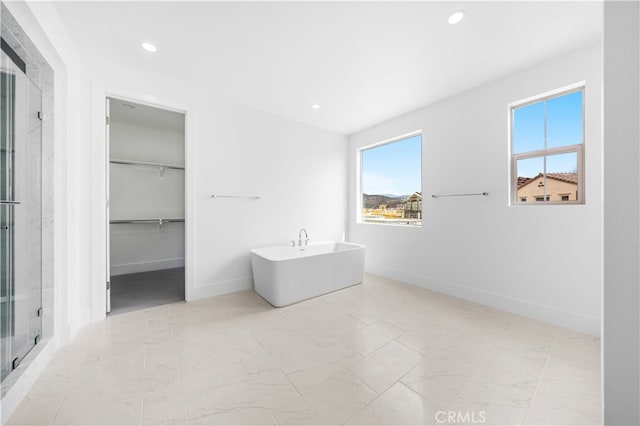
[286, 275]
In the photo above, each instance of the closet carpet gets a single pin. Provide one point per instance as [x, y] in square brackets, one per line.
[132, 292]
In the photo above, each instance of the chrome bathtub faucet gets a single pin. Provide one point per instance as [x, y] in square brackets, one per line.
[306, 237]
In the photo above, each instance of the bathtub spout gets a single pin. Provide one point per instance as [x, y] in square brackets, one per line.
[306, 237]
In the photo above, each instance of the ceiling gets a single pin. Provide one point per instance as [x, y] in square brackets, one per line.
[362, 62]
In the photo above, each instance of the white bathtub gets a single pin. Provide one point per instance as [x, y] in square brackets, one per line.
[286, 275]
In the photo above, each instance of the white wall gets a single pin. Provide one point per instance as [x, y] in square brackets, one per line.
[538, 261]
[145, 142]
[142, 192]
[299, 172]
[146, 247]
[621, 297]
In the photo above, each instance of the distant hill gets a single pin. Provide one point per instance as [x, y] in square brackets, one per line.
[372, 201]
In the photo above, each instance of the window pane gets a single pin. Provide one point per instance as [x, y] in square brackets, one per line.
[562, 176]
[392, 182]
[528, 128]
[530, 179]
[564, 120]
[551, 124]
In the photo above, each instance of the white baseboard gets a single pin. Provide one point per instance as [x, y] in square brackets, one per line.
[153, 265]
[551, 314]
[202, 291]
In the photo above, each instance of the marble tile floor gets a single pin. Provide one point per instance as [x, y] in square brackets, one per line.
[378, 353]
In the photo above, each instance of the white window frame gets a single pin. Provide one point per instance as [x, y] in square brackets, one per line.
[359, 182]
[544, 153]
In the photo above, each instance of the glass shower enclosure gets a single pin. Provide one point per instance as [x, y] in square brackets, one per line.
[20, 212]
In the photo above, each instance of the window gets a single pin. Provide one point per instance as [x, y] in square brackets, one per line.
[547, 147]
[391, 182]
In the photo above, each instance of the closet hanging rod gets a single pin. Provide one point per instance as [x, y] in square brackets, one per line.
[460, 195]
[145, 163]
[156, 221]
[252, 197]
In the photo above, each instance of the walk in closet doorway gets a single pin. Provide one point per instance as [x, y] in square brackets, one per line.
[145, 206]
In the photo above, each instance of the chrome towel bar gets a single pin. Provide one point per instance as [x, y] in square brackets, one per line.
[460, 195]
[252, 197]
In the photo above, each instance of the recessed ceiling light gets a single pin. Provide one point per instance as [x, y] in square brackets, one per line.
[148, 46]
[456, 17]
[315, 106]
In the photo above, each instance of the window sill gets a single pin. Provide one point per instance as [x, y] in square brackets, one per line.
[549, 203]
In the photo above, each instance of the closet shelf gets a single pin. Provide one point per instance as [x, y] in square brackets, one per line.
[154, 221]
[145, 163]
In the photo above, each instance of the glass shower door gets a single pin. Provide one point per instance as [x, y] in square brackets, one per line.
[20, 214]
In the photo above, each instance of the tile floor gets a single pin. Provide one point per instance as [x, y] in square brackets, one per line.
[378, 353]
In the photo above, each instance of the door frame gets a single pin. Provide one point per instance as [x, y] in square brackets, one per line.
[99, 226]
